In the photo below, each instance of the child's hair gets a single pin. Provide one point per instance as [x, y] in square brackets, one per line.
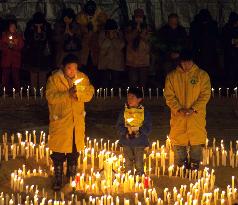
[136, 91]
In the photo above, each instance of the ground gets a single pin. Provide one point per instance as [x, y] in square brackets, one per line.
[18, 116]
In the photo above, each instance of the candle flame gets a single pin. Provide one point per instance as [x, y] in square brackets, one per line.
[78, 81]
[130, 120]
[10, 37]
[73, 184]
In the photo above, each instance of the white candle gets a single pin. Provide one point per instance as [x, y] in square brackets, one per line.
[21, 90]
[14, 93]
[28, 92]
[235, 89]
[119, 93]
[227, 92]
[150, 93]
[213, 92]
[157, 93]
[4, 92]
[41, 93]
[112, 93]
[35, 93]
[219, 92]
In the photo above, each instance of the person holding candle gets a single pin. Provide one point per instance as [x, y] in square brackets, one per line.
[66, 107]
[134, 125]
[11, 45]
[187, 91]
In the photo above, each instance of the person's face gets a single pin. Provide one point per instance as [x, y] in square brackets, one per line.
[133, 101]
[67, 20]
[111, 34]
[186, 65]
[173, 22]
[12, 28]
[139, 19]
[70, 70]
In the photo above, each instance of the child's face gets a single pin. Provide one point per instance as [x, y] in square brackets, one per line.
[133, 101]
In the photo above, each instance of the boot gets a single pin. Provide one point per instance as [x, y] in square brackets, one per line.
[58, 169]
[71, 170]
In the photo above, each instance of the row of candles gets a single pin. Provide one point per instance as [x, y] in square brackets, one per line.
[103, 93]
[107, 157]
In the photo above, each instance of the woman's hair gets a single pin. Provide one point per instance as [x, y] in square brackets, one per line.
[11, 22]
[69, 13]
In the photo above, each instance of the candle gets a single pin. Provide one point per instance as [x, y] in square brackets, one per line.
[227, 92]
[28, 92]
[235, 90]
[119, 93]
[41, 93]
[112, 93]
[150, 93]
[157, 93]
[213, 92]
[14, 93]
[4, 92]
[21, 90]
[35, 93]
[219, 91]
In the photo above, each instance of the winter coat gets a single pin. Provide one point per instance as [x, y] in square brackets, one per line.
[38, 45]
[90, 35]
[137, 57]
[66, 114]
[190, 89]
[111, 53]
[11, 56]
[144, 129]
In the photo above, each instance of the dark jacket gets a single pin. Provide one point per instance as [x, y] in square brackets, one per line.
[144, 131]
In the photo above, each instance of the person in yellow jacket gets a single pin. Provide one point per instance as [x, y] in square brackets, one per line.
[66, 92]
[187, 92]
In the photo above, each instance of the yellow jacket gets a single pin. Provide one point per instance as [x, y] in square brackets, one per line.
[136, 114]
[190, 89]
[66, 114]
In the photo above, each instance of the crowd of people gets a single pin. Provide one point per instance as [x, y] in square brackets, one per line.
[114, 55]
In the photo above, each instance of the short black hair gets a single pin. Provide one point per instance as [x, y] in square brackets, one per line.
[173, 15]
[110, 24]
[186, 55]
[136, 91]
[70, 58]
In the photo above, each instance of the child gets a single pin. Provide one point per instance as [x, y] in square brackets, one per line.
[134, 125]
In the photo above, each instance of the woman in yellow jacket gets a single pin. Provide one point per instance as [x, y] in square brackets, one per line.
[187, 91]
[66, 108]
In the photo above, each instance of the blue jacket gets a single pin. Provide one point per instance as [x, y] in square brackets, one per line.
[144, 131]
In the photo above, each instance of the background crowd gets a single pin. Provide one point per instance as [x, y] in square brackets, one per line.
[115, 55]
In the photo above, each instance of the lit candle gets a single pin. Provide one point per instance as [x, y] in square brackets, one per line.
[4, 92]
[28, 92]
[35, 93]
[227, 92]
[14, 93]
[213, 92]
[41, 93]
[150, 93]
[21, 90]
[219, 92]
[235, 89]
[112, 93]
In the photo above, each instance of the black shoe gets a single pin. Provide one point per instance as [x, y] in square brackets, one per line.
[58, 169]
[71, 170]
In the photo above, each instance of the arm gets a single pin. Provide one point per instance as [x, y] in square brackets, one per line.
[171, 99]
[205, 93]
[122, 130]
[147, 125]
[54, 96]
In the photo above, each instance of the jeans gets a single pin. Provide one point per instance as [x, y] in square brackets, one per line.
[134, 157]
[72, 158]
[190, 158]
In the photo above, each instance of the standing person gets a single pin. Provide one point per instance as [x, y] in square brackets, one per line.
[173, 38]
[138, 50]
[111, 55]
[204, 36]
[38, 34]
[230, 45]
[11, 45]
[134, 126]
[187, 92]
[67, 116]
[66, 37]
[91, 22]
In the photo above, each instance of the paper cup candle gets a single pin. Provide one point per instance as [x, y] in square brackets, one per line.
[78, 85]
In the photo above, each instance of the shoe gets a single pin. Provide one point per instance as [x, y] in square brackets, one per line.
[58, 180]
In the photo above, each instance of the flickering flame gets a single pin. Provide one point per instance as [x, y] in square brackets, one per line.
[73, 184]
[78, 81]
[130, 120]
[10, 37]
